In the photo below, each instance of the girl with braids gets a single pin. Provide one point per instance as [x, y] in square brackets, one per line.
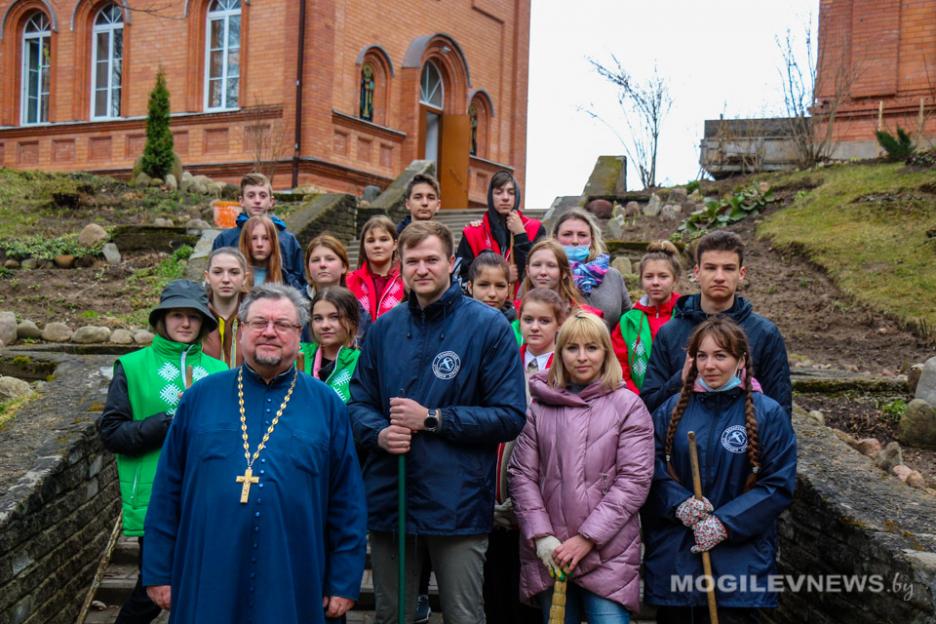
[747, 460]
[633, 335]
[579, 474]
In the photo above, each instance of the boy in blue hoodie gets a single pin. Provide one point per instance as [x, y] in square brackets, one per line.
[256, 199]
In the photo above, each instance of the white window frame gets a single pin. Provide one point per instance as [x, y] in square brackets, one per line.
[224, 15]
[45, 33]
[111, 30]
[426, 98]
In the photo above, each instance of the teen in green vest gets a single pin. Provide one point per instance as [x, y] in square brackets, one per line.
[633, 336]
[141, 401]
[332, 356]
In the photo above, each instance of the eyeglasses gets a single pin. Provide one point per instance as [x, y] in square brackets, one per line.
[280, 326]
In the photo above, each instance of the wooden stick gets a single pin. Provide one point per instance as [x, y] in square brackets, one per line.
[706, 557]
[99, 573]
[558, 607]
[300, 362]
[188, 377]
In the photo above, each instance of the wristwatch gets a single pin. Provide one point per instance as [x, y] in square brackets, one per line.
[433, 418]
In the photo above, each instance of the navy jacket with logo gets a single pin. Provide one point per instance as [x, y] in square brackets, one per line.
[458, 355]
[750, 517]
[768, 351]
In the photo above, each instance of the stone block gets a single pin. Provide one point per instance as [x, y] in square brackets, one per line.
[559, 207]
[142, 337]
[601, 208]
[623, 265]
[913, 377]
[926, 387]
[869, 446]
[27, 329]
[13, 388]
[7, 327]
[890, 456]
[653, 207]
[91, 334]
[901, 472]
[918, 425]
[91, 235]
[671, 212]
[608, 178]
[121, 337]
[171, 183]
[111, 253]
[56, 332]
[334, 212]
[64, 261]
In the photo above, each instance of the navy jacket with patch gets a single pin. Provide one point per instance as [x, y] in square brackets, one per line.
[459, 355]
[750, 517]
[291, 251]
[664, 371]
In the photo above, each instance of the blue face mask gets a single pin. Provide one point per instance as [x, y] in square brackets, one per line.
[731, 384]
[576, 253]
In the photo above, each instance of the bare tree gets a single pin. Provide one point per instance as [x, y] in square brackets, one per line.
[644, 106]
[812, 119]
[266, 140]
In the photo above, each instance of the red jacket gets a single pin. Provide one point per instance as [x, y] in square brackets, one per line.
[479, 236]
[361, 283]
[657, 316]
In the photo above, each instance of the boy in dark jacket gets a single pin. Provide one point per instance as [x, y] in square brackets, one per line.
[440, 381]
[719, 270]
[256, 199]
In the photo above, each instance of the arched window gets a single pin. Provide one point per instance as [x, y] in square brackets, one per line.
[368, 84]
[107, 62]
[222, 62]
[37, 52]
[431, 89]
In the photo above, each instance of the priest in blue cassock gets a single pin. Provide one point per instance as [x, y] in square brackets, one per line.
[257, 513]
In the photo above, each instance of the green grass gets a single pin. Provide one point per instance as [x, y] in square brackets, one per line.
[8, 409]
[876, 248]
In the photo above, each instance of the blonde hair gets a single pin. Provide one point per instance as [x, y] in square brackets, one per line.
[597, 246]
[585, 327]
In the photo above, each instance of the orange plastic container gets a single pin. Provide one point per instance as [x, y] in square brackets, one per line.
[225, 212]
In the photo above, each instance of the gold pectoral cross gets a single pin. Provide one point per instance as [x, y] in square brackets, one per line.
[247, 479]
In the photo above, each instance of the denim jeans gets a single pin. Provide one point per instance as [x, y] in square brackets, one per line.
[581, 603]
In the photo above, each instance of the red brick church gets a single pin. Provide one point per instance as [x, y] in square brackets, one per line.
[877, 65]
[340, 94]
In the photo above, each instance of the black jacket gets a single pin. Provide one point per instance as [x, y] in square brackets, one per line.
[119, 432]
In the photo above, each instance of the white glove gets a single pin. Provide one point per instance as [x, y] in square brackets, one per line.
[544, 550]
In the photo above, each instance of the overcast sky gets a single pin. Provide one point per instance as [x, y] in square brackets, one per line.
[718, 56]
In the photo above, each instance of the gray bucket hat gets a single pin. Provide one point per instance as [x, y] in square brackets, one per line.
[184, 294]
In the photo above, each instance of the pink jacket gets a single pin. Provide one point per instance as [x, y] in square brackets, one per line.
[583, 464]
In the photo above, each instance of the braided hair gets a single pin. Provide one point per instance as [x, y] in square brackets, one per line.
[732, 339]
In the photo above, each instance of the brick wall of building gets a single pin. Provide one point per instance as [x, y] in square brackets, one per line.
[484, 40]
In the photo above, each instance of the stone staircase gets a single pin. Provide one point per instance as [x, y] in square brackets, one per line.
[455, 220]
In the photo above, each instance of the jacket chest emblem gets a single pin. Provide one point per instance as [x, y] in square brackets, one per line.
[446, 365]
[734, 439]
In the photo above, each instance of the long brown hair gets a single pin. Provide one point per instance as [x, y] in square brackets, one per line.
[566, 287]
[349, 310]
[731, 338]
[275, 261]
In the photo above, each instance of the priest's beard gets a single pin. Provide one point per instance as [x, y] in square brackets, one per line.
[268, 360]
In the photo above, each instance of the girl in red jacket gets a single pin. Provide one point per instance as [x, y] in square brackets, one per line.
[634, 334]
[376, 282]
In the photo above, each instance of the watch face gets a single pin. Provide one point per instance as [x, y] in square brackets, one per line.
[431, 422]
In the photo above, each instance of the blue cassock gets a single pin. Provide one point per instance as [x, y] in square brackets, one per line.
[300, 536]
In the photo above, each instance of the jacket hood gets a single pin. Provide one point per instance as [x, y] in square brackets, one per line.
[496, 222]
[690, 307]
[561, 397]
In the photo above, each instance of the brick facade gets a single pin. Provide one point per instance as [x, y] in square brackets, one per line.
[877, 55]
[480, 46]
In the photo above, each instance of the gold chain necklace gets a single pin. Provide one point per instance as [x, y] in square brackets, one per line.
[248, 478]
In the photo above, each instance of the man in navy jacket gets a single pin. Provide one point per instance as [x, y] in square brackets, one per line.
[440, 381]
[719, 270]
[256, 200]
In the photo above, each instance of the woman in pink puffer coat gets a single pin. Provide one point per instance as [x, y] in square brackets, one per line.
[579, 474]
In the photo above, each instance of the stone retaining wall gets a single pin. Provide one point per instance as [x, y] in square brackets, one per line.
[331, 212]
[58, 495]
[851, 518]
